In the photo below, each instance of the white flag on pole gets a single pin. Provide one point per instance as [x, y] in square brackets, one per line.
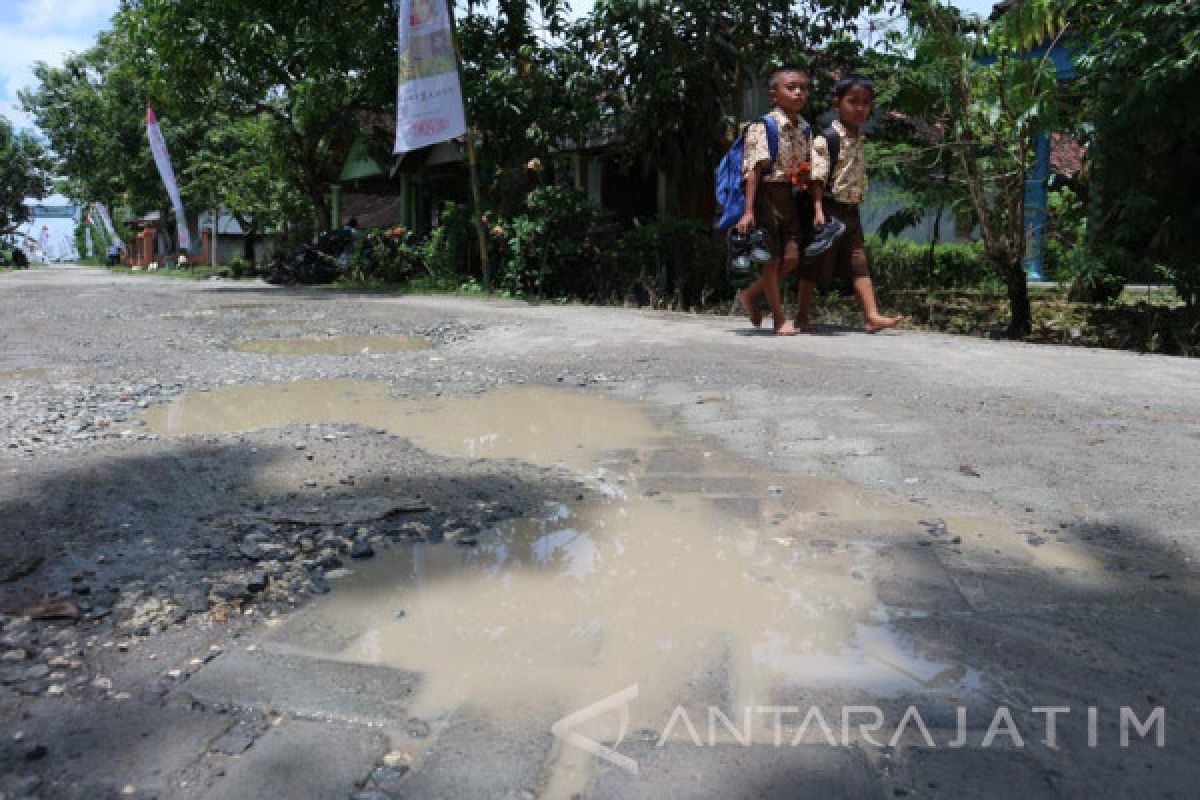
[162, 158]
[429, 108]
[106, 220]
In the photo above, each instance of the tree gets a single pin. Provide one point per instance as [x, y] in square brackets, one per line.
[92, 112]
[532, 98]
[236, 167]
[678, 70]
[24, 173]
[1140, 75]
[989, 98]
[306, 65]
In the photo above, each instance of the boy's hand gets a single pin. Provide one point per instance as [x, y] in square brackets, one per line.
[818, 217]
[746, 223]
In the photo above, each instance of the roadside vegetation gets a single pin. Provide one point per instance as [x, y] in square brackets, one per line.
[658, 91]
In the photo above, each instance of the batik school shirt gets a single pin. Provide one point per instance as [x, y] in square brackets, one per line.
[795, 146]
[848, 184]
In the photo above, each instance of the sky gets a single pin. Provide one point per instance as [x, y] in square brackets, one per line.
[42, 30]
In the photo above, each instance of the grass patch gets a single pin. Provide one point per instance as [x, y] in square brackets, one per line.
[198, 273]
[1142, 322]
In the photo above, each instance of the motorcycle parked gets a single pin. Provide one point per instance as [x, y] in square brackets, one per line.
[311, 265]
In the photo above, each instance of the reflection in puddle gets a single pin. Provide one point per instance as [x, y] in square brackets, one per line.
[692, 574]
[333, 346]
[666, 593]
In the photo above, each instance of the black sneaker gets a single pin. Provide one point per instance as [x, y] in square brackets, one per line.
[759, 253]
[824, 236]
[739, 247]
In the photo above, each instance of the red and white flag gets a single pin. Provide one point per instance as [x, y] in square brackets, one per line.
[162, 158]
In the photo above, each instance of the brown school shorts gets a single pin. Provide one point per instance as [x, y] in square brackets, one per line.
[775, 210]
[847, 259]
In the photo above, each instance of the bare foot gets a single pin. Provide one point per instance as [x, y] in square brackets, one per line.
[752, 310]
[804, 326]
[877, 324]
[785, 329]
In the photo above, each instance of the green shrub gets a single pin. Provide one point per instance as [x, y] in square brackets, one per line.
[898, 264]
[449, 251]
[1069, 260]
[555, 248]
[240, 268]
[674, 262]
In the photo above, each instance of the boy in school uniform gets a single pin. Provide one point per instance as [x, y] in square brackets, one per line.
[838, 187]
[770, 203]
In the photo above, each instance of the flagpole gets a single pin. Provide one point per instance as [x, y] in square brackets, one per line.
[472, 161]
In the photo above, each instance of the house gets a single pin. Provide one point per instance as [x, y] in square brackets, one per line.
[380, 190]
[231, 241]
[149, 243]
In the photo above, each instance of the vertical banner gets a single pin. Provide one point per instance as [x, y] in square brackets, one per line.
[44, 243]
[162, 159]
[429, 108]
[101, 211]
[87, 241]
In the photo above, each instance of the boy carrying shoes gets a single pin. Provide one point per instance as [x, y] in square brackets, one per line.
[838, 187]
[770, 204]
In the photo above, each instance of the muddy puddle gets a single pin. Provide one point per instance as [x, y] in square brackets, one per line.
[334, 346]
[224, 310]
[41, 373]
[540, 426]
[689, 573]
[268, 322]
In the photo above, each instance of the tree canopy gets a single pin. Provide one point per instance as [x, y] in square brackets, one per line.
[1141, 87]
[24, 173]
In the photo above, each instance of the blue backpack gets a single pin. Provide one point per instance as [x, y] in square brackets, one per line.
[731, 189]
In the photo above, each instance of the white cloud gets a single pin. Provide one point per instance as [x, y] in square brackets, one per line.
[43, 30]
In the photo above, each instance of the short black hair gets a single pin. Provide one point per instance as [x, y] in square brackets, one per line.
[784, 69]
[848, 82]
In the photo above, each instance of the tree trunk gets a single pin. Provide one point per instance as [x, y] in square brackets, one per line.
[248, 241]
[249, 238]
[934, 240]
[317, 197]
[1020, 323]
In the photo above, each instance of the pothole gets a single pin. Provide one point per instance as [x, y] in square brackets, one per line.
[333, 346]
[41, 373]
[687, 572]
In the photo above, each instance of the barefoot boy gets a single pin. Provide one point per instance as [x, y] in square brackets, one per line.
[769, 200]
[838, 186]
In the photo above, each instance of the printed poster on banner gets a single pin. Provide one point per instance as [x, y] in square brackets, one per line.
[429, 108]
[162, 159]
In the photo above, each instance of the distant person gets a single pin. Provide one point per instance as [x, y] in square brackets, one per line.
[349, 238]
[113, 254]
[838, 188]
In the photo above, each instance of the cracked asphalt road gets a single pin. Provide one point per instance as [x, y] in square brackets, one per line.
[1022, 517]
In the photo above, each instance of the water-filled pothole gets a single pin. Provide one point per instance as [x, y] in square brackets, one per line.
[540, 426]
[334, 346]
[693, 574]
[41, 373]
